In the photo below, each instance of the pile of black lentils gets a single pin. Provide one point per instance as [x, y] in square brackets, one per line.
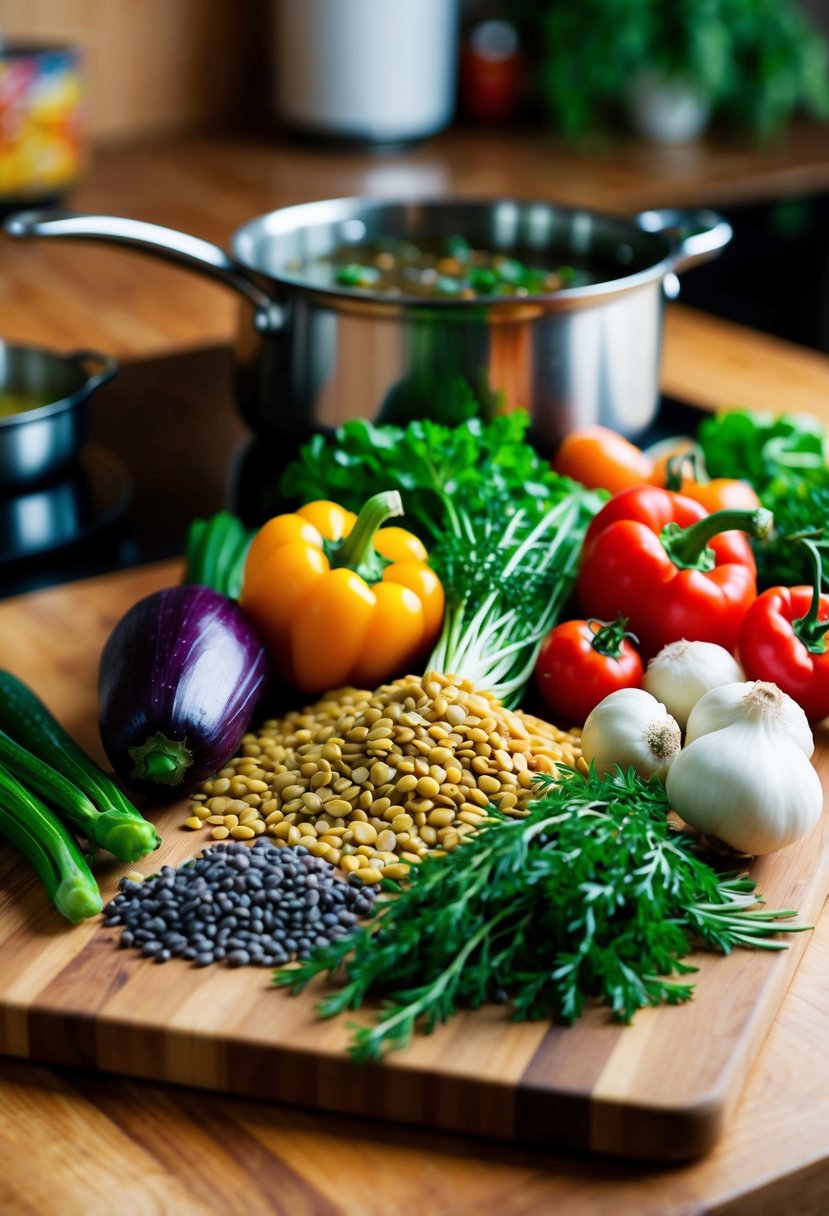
[239, 904]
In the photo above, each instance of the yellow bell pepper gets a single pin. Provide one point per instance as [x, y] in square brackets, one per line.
[338, 599]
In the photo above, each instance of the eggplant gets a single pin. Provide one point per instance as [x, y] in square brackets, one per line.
[180, 678]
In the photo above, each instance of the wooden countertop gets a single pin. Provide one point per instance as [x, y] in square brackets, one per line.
[104, 1144]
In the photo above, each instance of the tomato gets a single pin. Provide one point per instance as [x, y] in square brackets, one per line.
[602, 459]
[582, 662]
[682, 468]
[721, 493]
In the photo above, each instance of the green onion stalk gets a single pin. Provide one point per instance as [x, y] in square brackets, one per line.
[506, 585]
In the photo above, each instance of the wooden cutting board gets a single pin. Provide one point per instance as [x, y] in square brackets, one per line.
[662, 1088]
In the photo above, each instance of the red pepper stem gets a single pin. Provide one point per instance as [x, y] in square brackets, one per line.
[811, 630]
[608, 638]
[687, 547]
[356, 551]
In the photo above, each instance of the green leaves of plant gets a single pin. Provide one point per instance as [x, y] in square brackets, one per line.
[434, 466]
[785, 459]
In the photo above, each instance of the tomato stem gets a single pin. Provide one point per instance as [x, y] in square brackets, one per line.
[809, 628]
[356, 551]
[688, 547]
[608, 637]
[673, 471]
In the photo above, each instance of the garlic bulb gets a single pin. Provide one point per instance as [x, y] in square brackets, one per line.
[630, 728]
[748, 782]
[684, 671]
[750, 701]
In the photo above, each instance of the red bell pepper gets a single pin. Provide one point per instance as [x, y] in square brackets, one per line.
[783, 639]
[659, 559]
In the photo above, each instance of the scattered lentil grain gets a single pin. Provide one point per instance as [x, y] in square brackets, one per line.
[241, 904]
[385, 772]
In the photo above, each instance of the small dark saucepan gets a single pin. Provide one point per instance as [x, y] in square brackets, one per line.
[43, 438]
[311, 354]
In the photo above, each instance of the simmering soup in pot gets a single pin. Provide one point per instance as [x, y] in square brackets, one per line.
[18, 403]
[438, 270]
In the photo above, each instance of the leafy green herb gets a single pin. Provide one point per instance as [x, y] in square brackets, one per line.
[756, 63]
[435, 467]
[762, 447]
[800, 508]
[786, 459]
[593, 896]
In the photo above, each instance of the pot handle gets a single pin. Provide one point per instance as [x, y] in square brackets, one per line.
[107, 367]
[168, 243]
[695, 236]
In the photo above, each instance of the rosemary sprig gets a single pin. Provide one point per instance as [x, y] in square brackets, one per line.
[592, 896]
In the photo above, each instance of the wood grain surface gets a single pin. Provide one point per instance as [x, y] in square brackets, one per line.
[662, 1088]
[150, 68]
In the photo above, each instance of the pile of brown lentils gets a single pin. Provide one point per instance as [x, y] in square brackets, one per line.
[372, 781]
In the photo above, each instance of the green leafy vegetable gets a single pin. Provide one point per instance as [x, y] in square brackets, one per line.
[436, 468]
[800, 508]
[762, 447]
[786, 459]
[593, 896]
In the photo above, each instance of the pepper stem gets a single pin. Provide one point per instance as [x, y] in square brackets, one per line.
[356, 551]
[688, 547]
[809, 628]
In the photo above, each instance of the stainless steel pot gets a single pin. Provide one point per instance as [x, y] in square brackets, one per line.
[311, 356]
[39, 443]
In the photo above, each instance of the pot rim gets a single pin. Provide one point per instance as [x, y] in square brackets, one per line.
[350, 210]
[65, 404]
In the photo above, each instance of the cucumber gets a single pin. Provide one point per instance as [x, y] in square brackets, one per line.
[36, 749]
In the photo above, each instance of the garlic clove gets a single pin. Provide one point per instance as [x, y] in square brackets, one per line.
[684, 671]
[751, 701]
[631, 729]
[752, 788]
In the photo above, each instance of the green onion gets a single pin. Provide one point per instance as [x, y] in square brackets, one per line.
[506, 583]
[215, 553]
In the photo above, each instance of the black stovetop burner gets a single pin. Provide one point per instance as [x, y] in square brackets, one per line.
[168, 446]
[80, 511]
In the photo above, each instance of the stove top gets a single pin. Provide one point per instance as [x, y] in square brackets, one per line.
[167, 446]
[82, 507]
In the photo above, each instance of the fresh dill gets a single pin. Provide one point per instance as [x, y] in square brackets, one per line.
[594, 896]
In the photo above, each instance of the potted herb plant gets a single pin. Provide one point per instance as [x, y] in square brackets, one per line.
[666, 67]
